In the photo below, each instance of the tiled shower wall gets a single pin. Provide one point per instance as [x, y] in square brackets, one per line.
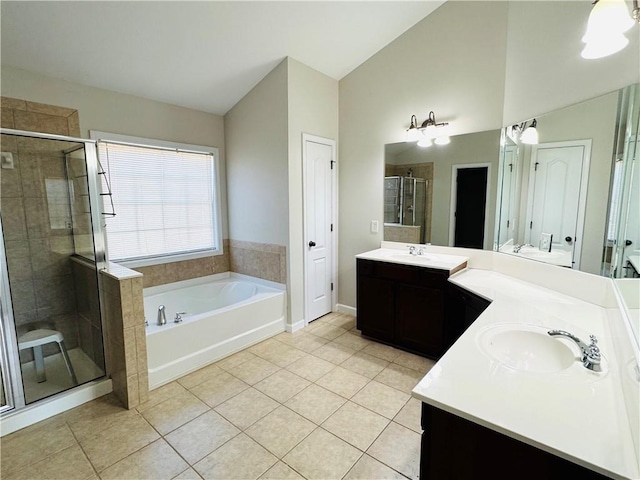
[37, 250]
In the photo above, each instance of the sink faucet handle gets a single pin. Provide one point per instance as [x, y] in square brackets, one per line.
[178, 318]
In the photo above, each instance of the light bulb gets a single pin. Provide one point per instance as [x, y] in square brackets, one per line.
[530, 136]
[442, 140]
[413, 134]
[608, 17]
[604, 46]
[424, 142]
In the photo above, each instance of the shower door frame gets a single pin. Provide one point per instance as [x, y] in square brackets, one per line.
[15, 399]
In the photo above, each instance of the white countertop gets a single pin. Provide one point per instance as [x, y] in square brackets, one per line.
[450, 263]
[575, 414]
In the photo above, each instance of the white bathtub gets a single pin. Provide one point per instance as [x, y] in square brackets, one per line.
[224, 313]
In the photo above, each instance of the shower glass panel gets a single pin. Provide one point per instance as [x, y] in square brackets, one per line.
[405, 202]
[53, 316]
[392, 199]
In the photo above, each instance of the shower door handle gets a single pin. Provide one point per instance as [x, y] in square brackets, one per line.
[312, 243]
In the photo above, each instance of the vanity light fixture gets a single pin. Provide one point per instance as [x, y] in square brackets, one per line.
[525, 134]
[429, 131]
[608, 21]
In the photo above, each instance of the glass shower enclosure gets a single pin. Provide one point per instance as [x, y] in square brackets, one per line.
[405, 202]
[51, 250]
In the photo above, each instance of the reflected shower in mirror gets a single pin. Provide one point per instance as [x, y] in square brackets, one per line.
[444, 195]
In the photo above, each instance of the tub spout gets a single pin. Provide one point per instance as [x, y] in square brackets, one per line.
[162, 317]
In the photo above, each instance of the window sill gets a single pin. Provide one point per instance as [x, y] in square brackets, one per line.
[147, 262]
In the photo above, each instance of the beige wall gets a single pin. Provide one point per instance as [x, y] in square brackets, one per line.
[544, 69]
[481, 147]
[313, 109]
[452, 62]
[257, 149]
[125, 114]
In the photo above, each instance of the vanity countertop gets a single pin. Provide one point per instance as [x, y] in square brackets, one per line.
[575, 413]
[439, 261]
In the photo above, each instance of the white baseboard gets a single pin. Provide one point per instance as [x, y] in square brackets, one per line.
[296, 326]
[11, 422]
[346, 309]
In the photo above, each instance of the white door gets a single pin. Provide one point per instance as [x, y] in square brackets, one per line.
[557, 186]
[508, 202]
[318, 161]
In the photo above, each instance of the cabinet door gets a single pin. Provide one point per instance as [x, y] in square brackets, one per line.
[420, 318]
[375, 308]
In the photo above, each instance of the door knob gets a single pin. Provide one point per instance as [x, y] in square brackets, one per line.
[312, 243]
[568, 239]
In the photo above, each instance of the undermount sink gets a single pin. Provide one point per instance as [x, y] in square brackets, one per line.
[527, 348]
[542, 255]
[404, 257]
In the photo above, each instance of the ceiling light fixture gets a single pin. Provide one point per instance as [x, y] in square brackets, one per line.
[608, 21]
[525, 134]
[429, 131]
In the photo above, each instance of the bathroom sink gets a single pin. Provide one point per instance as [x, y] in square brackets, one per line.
[527, 348]
[407, 257]
[542, 255]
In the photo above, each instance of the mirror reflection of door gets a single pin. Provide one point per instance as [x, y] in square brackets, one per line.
[469, 217]
[509, 199]
[557, 194]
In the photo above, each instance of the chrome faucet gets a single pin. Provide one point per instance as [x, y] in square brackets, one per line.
[415, 251]
[590, 353]
[162, 316]
[517, 248]
[178, 318]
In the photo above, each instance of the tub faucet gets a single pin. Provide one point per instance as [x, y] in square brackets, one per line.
[162, 317]
[178, 318]
[590, 353]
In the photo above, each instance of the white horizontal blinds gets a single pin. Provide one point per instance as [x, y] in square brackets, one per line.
[163, 200]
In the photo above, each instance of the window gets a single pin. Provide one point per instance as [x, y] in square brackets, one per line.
[164, 199]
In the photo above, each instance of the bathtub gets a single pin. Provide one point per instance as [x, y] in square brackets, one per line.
[224, 313]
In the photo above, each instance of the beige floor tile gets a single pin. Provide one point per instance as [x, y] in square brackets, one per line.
[67, 464]
[235, 359]
[198, 438]
[280, 431]
[281, 354]
[281, 471]
[95, 416]
[253, 370]
[265, 347]
[343, 382]
[356, 425]
[219, 389]
[161, 394]
[381, 350]
[381, 399]
[334, 353]
[188, 474]
[230, 460]
[344, 321]
[352, 340]
[302, 341]
[199, 376]
[174, 412]
[282, 385]
[399, 448]
[315, 403]
[414, 362]
[364, 364]
[310, 367]
[328, 332]
[35, 443]
[157, 461]
[399, 377]
[246, 408]
[322, 456]
[368, 468]
[122, 440]
[410, 415]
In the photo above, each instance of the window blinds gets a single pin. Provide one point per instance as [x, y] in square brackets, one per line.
[163, 200]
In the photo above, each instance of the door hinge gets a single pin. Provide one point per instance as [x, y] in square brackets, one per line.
[332, 286]
[332, 162]
[332, 227]
[530, 225]
[507, 223]
[535, 166]
[511, 167]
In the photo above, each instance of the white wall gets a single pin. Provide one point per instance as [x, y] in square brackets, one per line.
[114, 112]
[257, 171]
[452, 62]
[481, 147]
[313, 108]
[544, 69]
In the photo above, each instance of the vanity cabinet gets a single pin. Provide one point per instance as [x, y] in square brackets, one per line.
[463, 309]
[454, 448]
[403, 305]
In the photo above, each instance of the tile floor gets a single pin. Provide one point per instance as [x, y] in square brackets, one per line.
[322, 403]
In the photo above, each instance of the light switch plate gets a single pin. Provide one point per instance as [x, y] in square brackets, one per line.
[6, 160]
[374, 226]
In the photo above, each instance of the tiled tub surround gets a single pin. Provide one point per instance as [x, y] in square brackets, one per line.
[602, 408]
[125, 338]
[222, 314]
[261, 260]
[320, 403]
[171, 272]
